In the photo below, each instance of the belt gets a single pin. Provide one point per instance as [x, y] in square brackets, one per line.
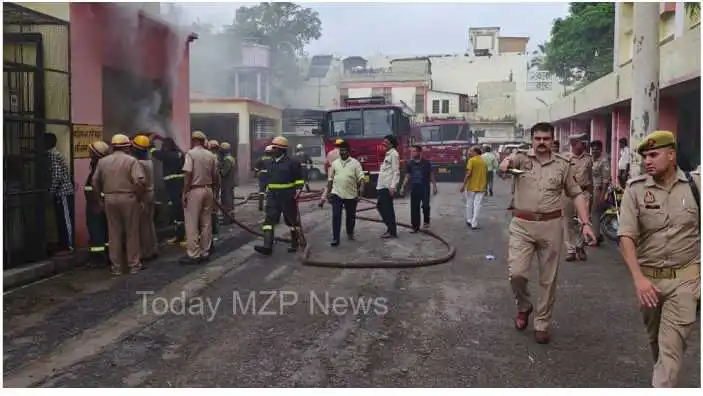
[172, 177]
[668, 272]
[532, 216]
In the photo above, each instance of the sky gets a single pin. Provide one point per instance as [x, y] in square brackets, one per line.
[406, 28]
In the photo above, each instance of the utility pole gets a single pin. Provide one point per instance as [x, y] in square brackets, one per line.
[644, 109]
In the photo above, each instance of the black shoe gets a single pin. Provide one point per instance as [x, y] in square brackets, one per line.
[334, 243]
[267, 248]
[294, 242]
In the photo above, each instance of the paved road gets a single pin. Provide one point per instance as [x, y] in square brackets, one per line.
[449, 325]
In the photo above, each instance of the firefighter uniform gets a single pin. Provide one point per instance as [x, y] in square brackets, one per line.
[120, 177]
[147, 230]
[172, 164]
[214, 147]
[227, 170]
[262, 174]
[285, 181]
[201, 164]
[94, 213]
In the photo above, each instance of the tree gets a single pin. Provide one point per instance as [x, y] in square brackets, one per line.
[580, 48]
[693, 9]
[285, 28]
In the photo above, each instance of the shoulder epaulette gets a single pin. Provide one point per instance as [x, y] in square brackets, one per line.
[636, 179]
[562, 157]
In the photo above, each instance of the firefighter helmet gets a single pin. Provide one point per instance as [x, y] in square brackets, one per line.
[299, 146]
[268, 149]
[339, 141]
[225, 146]
[99, 148]
[141, 142]
[199, 135]
[213, 144]
[120, 140]
[280, 142]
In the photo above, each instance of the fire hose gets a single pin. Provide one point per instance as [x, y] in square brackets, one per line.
[306, 258]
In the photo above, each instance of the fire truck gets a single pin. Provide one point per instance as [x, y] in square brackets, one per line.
[446, 142]
[363, 122]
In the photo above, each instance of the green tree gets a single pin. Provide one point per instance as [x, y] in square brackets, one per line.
[693, 9]
[284, 27]
[580, 48]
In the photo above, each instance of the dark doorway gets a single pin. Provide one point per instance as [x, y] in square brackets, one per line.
[689, 130]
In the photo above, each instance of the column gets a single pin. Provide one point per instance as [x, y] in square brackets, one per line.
[258, 87]
[598, 128]
[243, 148]
[621, 129]
[616, 38]
[236, 85]
[679, 20]
[644, 116]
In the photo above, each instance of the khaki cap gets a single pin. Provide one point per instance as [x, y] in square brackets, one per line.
[657, 139]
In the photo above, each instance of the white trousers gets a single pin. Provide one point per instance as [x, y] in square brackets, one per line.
[473, 202]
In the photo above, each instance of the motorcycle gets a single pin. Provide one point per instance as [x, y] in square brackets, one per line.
[610, 217]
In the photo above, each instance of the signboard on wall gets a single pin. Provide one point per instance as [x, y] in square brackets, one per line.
[83, 136]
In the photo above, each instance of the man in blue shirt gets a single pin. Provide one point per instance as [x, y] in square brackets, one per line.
[419, 174]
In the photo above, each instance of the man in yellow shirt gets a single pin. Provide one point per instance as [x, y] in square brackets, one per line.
[474, 186]
[344, 187]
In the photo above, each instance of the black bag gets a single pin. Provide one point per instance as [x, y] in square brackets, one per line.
[695, 191]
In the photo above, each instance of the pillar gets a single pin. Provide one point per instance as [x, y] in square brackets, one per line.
[621, 129]
[259, 94]
[668, 114]
[243, 148]
[236, 85]
[644, 116]
[598, 128]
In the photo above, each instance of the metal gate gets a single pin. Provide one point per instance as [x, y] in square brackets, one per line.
[27, 176]
[261, 132]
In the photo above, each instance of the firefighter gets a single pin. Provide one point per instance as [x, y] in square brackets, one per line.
[147, 230]
[228, 171]
[200, 167]
[305, 162]
[214, 147]
[285, 183]
[261, 173]
[120, 177]
[94, 213]
[171, 160]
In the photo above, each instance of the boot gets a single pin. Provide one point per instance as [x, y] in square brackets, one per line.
[294, 242]
[267, 248]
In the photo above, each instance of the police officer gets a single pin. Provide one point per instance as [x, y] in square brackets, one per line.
[601, 181]
[172, 164]
[94, 213]
[228, 171]
[261, 172]
[536, 224]
[660, 243]
[305, 162]
[285, 182]
[200, 167]
[214, 147]
[582, 164]
[121, 178]
[147, 230]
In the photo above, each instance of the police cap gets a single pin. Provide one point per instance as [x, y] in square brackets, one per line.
[199, 135]
[581, 137]
[655, 140]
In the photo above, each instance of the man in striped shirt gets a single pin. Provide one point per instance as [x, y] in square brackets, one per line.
[61, 191]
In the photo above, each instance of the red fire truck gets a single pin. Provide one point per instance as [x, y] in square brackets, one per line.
[445, 142]
[363, 122]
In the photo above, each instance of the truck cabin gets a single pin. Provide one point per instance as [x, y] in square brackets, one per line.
[445, 131]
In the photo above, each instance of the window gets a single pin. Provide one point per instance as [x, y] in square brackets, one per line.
[435, 106]
[388, 94]
[445, 132]
[419, 100]
[345, 124]
[445, 106]
[376, 91]
[464, 104]
[376, 123]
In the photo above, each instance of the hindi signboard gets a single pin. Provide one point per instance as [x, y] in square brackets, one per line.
[83, 136]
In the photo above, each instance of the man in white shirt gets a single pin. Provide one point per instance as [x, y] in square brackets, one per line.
[344, 186]
[623, 162]
[388, 179]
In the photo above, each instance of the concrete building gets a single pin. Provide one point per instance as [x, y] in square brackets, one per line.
[603, 106]
[82, 71]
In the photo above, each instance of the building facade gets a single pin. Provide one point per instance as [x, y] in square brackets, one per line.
[603, 106]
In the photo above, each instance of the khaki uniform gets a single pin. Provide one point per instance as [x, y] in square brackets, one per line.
[536, 228]
[601, 180]
[121, 178]
[147, 229]
[583, 172]
[227, 171]
[664, 224]
[202, 165]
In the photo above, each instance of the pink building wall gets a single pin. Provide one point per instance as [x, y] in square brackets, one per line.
[89, 54]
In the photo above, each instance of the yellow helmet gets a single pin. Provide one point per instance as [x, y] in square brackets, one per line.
[99, 148]
[213, 144]
[120, 140]
[199, 135]
[141, 142]
[280, 142]
[268, 149]
[225, 146]
[338, 141]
